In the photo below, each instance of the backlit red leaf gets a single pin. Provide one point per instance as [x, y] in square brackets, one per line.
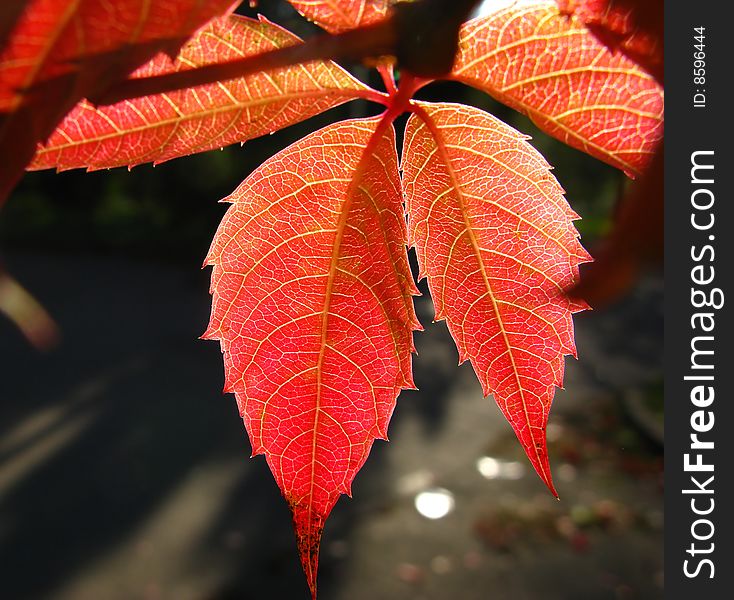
[552, 68]
[341, 15]
[164, 126]
[312, 306]
[632, 26]
[59, 51]
[495, 238]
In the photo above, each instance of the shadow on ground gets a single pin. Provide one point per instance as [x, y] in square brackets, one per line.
[124, 472]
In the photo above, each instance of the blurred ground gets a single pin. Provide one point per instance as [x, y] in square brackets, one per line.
[124, 473]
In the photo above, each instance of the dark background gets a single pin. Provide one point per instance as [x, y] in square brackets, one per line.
[124, 472]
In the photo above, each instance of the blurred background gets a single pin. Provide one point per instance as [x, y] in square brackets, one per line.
[124, 472]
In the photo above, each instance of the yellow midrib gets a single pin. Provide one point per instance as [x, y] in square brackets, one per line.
[184, 118]
[436, 134]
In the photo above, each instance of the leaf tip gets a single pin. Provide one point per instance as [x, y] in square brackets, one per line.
[583, 255]
[209, 334]
[545, 475]
[257, 449]
[542, 465]
[209, 260]
[380, 433]
[309, 528]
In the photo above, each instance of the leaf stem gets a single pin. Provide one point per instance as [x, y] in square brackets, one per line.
[369, 40]
[401, 100]
[388, 77]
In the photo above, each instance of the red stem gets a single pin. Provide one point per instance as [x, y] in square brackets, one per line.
[388, 77]
[400, 101]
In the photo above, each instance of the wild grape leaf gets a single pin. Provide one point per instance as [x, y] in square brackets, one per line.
[312, 306]
[633, 26]
[495, 238]
[59, 51]
[552, 68]
[341, 15]
[164, 126]
[409, 34]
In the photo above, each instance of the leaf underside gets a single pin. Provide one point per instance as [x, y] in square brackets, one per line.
[552, 68]
[344, 14]
[165, 126]
[635, 27]
[495, 238]
[312, 306]
[312, 292]
[59, 51]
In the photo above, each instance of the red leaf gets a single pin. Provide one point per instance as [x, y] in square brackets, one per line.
[553, 69]
[158, 128]
[495, 239]
[633, 26]
[62, 50]
[342, 15]
[312, 305]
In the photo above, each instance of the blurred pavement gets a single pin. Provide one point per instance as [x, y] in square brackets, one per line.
[124, 472]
